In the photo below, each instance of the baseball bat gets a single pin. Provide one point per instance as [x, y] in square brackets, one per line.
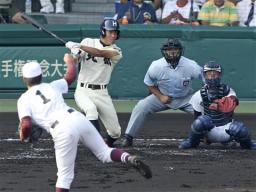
[41, 27]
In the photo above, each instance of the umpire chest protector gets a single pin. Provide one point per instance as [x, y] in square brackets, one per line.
[218, 118]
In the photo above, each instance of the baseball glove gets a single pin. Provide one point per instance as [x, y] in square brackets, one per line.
[35, 133]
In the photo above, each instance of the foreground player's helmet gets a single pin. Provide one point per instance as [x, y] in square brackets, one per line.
[109, 25]
[172, 50]
[212, 79]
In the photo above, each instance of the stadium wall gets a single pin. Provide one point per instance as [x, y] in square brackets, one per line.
[232, 47]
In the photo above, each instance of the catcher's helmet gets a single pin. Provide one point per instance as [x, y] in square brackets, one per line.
[109, 25]
[172, 59]
[212, 66]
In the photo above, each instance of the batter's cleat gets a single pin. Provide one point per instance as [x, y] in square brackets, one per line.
[127, 141]
[141, 167]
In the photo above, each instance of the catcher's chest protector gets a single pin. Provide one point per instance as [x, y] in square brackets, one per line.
[219, 118]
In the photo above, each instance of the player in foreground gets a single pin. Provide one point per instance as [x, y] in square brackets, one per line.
[43, 105]
[214, 106]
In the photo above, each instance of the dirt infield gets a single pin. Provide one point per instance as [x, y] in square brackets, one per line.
[213, 168]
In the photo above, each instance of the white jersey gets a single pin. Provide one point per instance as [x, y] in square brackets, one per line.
[196, 100]
[44, 103]
[97, 70]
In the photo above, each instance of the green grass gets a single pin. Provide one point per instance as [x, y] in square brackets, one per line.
[124, 106]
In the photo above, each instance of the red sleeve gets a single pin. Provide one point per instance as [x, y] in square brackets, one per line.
[71, 72]
[25, 126]
[226, 104]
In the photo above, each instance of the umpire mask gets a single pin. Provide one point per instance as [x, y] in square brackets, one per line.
[172, 51]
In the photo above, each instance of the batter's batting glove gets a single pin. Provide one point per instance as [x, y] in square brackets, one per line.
[71, 45]
[75, 51]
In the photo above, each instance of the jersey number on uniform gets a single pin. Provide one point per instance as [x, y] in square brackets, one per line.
[42, 97]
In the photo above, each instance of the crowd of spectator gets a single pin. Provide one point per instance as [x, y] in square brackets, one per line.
[184, 12]
[173, 12]
[10, 9]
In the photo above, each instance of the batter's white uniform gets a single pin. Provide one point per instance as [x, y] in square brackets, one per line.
[217, 134]
[45, 105]
[96, 72]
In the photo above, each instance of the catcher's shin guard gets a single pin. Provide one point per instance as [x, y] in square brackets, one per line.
[141, 167]
[191, 142]
[240, 133]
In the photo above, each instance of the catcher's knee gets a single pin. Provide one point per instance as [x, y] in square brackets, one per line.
[202, 124]
[237, 130]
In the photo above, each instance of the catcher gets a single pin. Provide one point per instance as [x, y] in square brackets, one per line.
[44, 105]
[214, 106]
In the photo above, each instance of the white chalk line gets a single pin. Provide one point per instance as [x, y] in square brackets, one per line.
[155, 139]
[41, 153]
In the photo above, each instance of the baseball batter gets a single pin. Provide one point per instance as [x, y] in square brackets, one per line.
[43, 104]
[169, 81]
[98, 59]
[214, 106]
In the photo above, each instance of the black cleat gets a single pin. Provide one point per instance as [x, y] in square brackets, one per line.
[127, 141]
[141, 167]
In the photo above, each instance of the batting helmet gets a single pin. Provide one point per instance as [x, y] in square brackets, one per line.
[172, 59]
[212, 66]
[109, 25]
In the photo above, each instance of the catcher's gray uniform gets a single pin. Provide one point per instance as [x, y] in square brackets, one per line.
[175, 83]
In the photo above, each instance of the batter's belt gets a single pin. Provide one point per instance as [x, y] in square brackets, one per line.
[93, 86]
